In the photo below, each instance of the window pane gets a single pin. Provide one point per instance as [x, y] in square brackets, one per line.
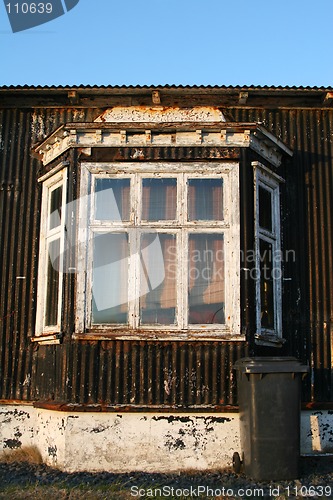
[266, 285]
[55, 208]
[112, 199]
[159, 199]
[110, 278]
[158, 279]
[205, 199]
[265, 209]
[52, 290]
[206, 279]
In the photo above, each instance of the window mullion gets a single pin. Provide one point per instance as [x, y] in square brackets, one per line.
[181, 262]
[89, 273]
[182, 199]
[134, 260]
[277, 263]
[136, 200]
[183, 278]
[133, 279]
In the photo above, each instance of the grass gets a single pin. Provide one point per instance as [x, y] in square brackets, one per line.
[58, 491]
[34, 488]
[26, 454]
[39, 482]
[61, 492]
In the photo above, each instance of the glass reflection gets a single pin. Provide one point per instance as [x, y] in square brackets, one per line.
[159, 199]
[206, 279]
[110, 278]
[205, 199]
[112, 200]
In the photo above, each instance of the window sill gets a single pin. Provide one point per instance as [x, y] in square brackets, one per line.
[160, 335]
[269, 340]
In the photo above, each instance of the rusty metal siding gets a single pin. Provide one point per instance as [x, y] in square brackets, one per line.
[19, 236]
[17, 204]
[157, 374]
[308, 311]
[162, 374]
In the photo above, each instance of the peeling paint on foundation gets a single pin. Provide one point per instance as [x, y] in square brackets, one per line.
[130, 441]
[99, 429]
[172, 418]
[176, 444]
[12, 444]
[141, 442]
[17, 414]
[317, 429]
[176, 418]
[52, 451]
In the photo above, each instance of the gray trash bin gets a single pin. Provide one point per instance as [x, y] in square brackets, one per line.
[269, 394]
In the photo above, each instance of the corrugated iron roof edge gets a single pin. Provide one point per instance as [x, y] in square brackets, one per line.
[167, 87]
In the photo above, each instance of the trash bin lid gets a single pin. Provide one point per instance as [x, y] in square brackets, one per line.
[270, 364]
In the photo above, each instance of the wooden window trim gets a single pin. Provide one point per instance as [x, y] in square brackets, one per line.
[55, 179]
[267, 179]
[230, 227]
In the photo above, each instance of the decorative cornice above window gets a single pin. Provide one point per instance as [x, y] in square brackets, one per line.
[161, 128]
[161, 114]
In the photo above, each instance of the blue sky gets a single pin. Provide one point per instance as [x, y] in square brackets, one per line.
[182, 42]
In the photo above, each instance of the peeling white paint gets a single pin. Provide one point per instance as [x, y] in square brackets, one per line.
[160, 114]
[166, 387]
[123, 442]
[150, 442]
[78, 115]
[38, 126]
[27, 380]
[317, 431]
[134, 442]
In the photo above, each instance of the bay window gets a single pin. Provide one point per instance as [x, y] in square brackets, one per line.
[153, 247]
[159, 247]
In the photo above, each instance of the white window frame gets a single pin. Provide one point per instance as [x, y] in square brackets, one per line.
[229, 172]
[264, 177]
[54, 179]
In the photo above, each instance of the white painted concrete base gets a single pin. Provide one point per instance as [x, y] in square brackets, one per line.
[317, 431]
[150, 442]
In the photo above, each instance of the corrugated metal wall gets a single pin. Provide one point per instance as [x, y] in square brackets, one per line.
[308, 304]
[144, 373]
[19, 235]
[140, 373]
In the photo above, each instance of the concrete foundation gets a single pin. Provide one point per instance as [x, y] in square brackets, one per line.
[150, 442]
